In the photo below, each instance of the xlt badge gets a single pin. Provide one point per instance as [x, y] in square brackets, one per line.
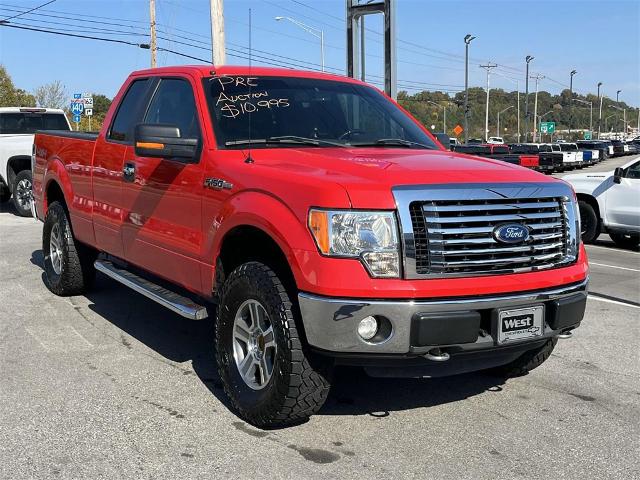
[217, 184]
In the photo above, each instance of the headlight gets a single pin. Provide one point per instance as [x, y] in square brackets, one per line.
[370, 236]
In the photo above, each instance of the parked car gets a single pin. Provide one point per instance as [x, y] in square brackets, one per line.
[610, 202]
[601, 147]
[496, 140]
[497, 152]
[633, 148]
[618, 148]
[17, 126]
[548, 161]
[575, 155]
[568, 157]
[316, 237]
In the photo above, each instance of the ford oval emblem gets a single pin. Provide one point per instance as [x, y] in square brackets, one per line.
[511, 233]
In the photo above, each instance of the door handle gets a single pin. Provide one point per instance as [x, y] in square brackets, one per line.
[129, 172]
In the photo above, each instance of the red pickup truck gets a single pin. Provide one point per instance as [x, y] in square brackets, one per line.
[319, 223]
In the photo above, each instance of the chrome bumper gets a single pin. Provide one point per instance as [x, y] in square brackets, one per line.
[331, 324]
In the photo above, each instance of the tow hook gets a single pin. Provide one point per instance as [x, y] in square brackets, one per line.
[437, 355]
[566, 334]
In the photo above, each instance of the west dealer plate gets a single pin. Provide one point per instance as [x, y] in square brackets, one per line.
[520, 323]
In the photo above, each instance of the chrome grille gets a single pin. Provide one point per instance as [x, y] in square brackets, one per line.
[457, 237]
[449, 230]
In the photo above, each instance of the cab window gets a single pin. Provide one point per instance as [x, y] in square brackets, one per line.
[127, 115]
[174, 104]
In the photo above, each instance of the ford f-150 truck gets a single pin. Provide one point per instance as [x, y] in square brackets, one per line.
[17, 127]
[319, 223]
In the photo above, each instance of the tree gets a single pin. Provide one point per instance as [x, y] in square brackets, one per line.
[51, 95]
[10, 96]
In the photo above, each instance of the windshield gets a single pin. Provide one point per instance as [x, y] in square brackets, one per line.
[29, 122]
[266, 112]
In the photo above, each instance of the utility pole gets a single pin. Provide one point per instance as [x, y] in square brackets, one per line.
[218, 55]
[488, 67]
[526, 99]
[573, 72]
[154, 40]
[467, 41]
[600, 111]
[535, 107]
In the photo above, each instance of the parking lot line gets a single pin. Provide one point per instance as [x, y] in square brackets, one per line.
[606, 299]
[611, 249]
[614, 266]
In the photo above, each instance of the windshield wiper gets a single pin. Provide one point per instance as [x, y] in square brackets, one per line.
[285, 139]
[399, 142]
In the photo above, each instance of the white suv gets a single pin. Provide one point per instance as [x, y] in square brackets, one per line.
[610, 201]
[17, 127]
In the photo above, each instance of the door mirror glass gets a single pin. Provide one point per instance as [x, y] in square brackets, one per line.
[164, 141]
[618, 173]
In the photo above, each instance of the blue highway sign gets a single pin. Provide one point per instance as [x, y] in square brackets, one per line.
[76, 118]
[77, 108]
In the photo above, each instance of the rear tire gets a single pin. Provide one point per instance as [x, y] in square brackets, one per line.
[589, 223]
[68, 264]
[297, 383]
[5, 193]
[527, 361]
[626, 240]
[22, 195]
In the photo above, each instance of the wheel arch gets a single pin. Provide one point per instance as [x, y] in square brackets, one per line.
[15, 165]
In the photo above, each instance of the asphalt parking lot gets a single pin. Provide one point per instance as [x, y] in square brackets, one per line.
[110, 385]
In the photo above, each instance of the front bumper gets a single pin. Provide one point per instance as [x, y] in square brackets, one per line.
[418, 326]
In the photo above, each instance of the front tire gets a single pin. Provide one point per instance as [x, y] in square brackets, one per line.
[626, 240]
[22, 195]
[269, 377]
[68, 265]
[589, 223]
[527, 361]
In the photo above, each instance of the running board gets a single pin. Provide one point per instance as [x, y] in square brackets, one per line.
[168, 299]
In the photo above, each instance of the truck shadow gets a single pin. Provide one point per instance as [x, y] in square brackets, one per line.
[179, 341]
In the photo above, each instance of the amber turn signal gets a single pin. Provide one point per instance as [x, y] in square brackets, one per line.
[319, 225]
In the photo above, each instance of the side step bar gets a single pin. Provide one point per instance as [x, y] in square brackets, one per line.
[168, 299]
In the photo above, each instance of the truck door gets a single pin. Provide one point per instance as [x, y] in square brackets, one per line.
[623, 199]
[162, 223]
[108, 159]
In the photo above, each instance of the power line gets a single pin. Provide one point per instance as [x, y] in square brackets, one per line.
[28, 11]
[66, 34]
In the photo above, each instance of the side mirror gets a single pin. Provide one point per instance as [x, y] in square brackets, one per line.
[444, 139]
[164, 141]
[618, 173]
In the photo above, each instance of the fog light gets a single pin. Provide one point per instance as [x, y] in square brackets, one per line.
[368, 327]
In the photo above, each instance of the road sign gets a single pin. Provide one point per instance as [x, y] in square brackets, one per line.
[88, 112]
[587, 135]
[88, 102]
[458, 130]
[77, 95]
[77, 108]
[547, 127]
[76, 118]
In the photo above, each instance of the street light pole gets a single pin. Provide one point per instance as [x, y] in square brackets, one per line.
[572, 73]
[535, 107]
[467, 41]
[316, 32]
[600, 111]
[498, 122]
[618, 96]
[526, 99]
[590, 112]
[488, 67]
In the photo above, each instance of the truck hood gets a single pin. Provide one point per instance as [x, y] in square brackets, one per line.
[368, 174]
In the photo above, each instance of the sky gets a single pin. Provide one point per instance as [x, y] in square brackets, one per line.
[599, 39]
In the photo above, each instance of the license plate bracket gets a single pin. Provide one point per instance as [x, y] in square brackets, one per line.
[516, 324]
